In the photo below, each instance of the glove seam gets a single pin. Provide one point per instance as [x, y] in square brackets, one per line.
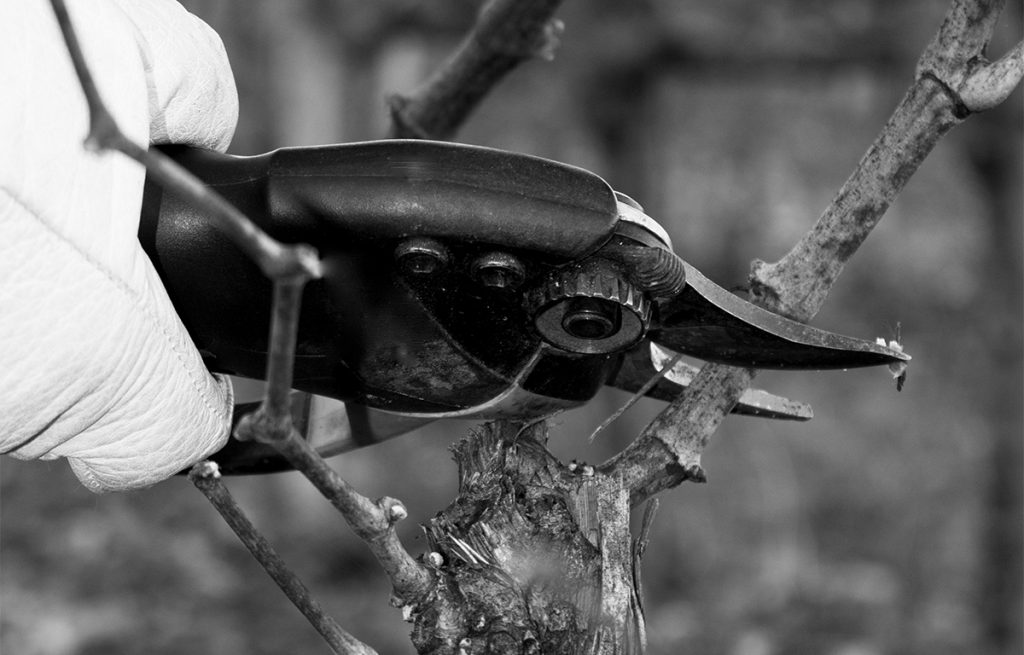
[122, 287]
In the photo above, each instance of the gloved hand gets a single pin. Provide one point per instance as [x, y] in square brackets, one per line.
[95, 365]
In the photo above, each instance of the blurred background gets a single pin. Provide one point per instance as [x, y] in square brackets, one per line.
[891, 523]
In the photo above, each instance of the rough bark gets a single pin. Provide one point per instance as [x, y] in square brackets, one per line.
[532, 557]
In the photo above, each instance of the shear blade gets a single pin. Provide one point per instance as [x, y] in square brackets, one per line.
[708, 322]
[647, 359]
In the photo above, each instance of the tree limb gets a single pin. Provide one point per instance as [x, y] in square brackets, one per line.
[798, 284]
[952, 81]
[506, 33]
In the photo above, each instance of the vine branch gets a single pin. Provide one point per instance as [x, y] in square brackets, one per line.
[373, 521]
[506, 33]
[206, 477]
[952, 81]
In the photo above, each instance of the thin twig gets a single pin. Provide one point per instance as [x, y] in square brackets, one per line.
[640, 393]
[669, 449]
[373, 521]
[506, 33]
[273, 419]
[206, 477]
[284, 328]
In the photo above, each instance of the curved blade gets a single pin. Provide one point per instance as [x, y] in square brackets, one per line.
[645, 360]
[706, 321]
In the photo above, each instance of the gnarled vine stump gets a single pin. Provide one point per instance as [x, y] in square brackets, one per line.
[532, 557]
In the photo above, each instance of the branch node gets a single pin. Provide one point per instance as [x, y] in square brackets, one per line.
[205, 470]
[261, 427]
[549, 40]
[695, 473]
[104, 134]
[394, 510]
[990, 84]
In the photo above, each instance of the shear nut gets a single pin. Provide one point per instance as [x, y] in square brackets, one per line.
[498, 270]
[421, 256]
[590, 309]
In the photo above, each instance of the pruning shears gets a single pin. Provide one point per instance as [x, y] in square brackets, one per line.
[460, 281]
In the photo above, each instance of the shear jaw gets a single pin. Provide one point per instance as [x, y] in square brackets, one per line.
[649, 362]
[694, 316]
[697, 317]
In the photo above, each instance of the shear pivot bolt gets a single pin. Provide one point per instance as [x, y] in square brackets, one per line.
[591, 318]
[421, 256]
[590, 309]
[498, 270]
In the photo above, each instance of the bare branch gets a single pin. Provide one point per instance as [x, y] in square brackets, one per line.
[956, 59]
[506, 33]
[206, 478]
[798, 284]
[965, 32]
[640, 393]
[668, 451]
[273, 419]
[373, 521]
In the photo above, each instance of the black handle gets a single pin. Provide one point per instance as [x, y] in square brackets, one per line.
[369, 330]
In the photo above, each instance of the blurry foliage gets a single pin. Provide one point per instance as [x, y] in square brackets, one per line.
[868, 530]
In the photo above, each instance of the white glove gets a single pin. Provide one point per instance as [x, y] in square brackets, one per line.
[95, 365]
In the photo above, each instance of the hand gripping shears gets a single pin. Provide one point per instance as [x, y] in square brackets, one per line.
[460, 281]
